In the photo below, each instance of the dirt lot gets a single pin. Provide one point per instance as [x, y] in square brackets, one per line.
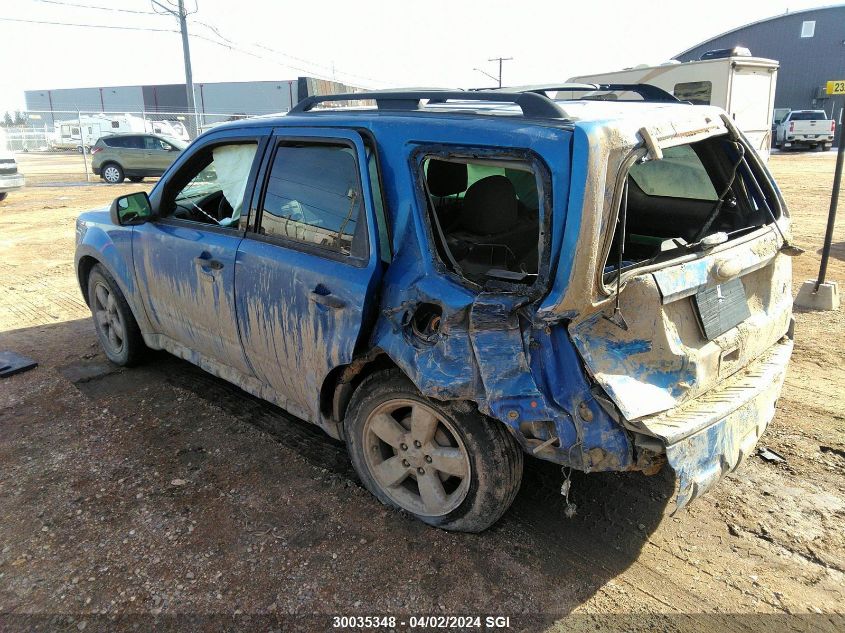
[162, 490]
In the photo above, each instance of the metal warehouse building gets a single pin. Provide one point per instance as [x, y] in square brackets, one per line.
[224, 98]
[810, 46]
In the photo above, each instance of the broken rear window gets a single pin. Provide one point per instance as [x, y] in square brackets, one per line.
[485, 215]
[696, 190]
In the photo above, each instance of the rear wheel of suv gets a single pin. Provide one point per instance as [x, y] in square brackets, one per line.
[116, 327]
[3, 195]
[112, 173]
[448, 465]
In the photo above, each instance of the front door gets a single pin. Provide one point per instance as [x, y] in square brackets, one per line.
[307, 274]
[158, 155]
[185, 259]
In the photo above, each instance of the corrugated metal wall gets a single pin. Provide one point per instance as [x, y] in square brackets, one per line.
[229, 98]
[806, 63]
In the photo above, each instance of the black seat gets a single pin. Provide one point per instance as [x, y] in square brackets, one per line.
[491, 229]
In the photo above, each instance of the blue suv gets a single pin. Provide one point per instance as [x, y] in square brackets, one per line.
[448, 280]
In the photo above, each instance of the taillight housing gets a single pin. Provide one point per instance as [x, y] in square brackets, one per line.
[832, 126]
[96, 149]
[791, 126]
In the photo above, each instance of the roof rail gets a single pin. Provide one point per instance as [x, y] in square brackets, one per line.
[646, 91]
[535, 105]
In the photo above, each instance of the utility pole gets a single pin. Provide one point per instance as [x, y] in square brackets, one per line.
[182, 16]
[500, 60]
[189, 76]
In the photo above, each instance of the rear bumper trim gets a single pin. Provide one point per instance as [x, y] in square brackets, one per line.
[712, 442]
[721, 401]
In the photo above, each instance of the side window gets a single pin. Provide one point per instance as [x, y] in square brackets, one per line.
[115, 142]
[314, 196]
[155, 144]
[211, 187]
[74, 130]
[485, 214]
[696, 92]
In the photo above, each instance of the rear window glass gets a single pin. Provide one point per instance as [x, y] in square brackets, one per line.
[816, 115]
[680, 174]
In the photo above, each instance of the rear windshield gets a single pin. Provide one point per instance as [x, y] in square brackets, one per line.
[694, 191]
[810, 115]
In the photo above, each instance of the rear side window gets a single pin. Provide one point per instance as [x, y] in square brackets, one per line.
[314, 197]
[679, 175]
[130, 142]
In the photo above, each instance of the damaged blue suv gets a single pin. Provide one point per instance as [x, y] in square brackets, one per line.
[448, 280]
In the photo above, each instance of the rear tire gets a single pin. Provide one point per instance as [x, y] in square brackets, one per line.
[136, 178]
[3, 195]
[116, 327]
[112, 173]
[446, 464]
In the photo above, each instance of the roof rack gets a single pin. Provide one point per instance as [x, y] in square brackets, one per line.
[532, 104]
[646, 91]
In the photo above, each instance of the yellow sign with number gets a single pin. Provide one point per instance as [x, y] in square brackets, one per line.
[836, 87]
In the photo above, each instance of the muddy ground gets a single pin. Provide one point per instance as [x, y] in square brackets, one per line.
[162, 490]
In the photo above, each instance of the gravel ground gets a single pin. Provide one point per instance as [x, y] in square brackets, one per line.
[157, 494]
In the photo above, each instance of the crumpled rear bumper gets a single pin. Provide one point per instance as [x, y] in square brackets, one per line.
[712, 435]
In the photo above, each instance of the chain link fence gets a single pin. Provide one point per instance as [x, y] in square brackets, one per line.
[54, 147]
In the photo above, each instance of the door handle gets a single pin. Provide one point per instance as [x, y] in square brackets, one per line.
[207, 262]
[328, 300]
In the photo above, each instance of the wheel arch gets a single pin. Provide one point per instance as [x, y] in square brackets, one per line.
[87, 258]
[343, 380]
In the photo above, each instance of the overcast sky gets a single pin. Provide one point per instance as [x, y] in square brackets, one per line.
[373, 43]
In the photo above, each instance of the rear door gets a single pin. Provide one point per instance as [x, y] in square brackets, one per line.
[131, 154]
[307, 273]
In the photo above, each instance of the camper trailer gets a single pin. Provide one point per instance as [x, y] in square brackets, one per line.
[85, 131]
[742, 85]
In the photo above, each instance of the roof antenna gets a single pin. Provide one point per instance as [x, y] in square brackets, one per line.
[616, 318]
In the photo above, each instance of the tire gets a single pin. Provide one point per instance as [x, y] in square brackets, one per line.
[116, 327]
[471, 467]
[136, 178]
[3, 195]
[112, 173]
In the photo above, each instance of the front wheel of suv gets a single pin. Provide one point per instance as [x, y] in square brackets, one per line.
[446, 464]
[112, 173]
[116, 327]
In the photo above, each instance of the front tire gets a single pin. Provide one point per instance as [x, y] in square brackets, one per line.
[112, 173]
[116, 327]
[446, 464]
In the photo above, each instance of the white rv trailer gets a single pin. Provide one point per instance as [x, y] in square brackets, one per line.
[87, 129]
[742, 85]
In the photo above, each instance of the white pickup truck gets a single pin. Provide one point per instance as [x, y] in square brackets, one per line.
[807, 128]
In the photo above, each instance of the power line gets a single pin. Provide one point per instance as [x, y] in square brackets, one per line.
[94, 26]
[228, 44]
[97, 7]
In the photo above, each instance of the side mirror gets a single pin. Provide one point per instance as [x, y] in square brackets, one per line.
[133, 208]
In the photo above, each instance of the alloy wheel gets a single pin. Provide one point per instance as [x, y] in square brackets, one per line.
[111, 174]
[108, 318]
[416, 457]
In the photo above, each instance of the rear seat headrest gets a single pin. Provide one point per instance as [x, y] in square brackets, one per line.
[490, 206]
[445, 178]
